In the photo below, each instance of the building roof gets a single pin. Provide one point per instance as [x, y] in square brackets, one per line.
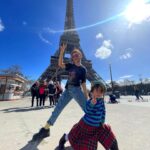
[12, 76]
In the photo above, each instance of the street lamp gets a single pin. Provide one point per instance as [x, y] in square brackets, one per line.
[111, 79]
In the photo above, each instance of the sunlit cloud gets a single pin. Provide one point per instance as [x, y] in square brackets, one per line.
[126, 76]
[44, 39]
[99, 36]
[127, 54]
[105, 50]
[1, 26]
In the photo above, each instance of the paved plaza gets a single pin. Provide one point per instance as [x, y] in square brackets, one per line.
[129, 120]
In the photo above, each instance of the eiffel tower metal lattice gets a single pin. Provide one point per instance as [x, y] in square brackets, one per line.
[71, 37]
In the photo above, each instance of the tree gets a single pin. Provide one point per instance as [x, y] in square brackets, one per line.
[146, 80]
[17, 70]
[13, 70]
[140, 78]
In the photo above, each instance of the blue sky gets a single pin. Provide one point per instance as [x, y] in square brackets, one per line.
[120, 40]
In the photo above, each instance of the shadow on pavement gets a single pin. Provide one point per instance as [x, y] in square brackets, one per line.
[66, 148]
[32, 145]
[24, 109]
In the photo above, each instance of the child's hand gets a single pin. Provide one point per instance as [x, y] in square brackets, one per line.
[94, 101]
[63, 47]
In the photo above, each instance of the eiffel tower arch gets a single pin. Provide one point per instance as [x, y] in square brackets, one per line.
[71, 38]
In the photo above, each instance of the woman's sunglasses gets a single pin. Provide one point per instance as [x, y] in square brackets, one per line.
[75, 55]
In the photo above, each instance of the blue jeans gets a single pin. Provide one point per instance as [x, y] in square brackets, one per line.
[68, 94]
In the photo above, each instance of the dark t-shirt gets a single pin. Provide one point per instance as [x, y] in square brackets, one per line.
[77, 74]
[34, 89]
[52, 89]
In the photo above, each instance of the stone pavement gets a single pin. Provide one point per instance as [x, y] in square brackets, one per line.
[129, 120]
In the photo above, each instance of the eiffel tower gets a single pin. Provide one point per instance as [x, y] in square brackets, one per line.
[71, 37]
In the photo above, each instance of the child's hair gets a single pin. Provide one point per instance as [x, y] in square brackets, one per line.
[96, 85]
[76, 51]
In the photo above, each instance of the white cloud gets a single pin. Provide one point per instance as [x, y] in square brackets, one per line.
[105, 50]
[44, 40]
[120, 80]
[107, 43]
[99, 36]
[49, 30]
[1, 26]
[127, 54]
[126, 77]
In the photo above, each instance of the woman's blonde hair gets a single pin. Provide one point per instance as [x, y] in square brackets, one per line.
[76, 51]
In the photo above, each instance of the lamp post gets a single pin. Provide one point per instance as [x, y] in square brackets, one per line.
[111, 78]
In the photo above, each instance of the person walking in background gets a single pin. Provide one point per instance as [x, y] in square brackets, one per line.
[91, 128]
[35, 93]
[137, 94]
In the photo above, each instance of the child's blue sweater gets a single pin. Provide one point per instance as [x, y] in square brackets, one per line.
[94, 113]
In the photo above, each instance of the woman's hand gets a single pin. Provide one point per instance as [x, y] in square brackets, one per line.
[63, 47]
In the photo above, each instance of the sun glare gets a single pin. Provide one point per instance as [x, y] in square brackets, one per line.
[137, 11]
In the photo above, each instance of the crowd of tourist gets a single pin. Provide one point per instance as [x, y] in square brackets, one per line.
[41, 91]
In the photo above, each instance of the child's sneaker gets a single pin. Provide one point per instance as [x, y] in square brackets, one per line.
[62, 142]
[43, 133]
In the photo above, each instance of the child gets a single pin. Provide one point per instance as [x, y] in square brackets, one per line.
[91, 129]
